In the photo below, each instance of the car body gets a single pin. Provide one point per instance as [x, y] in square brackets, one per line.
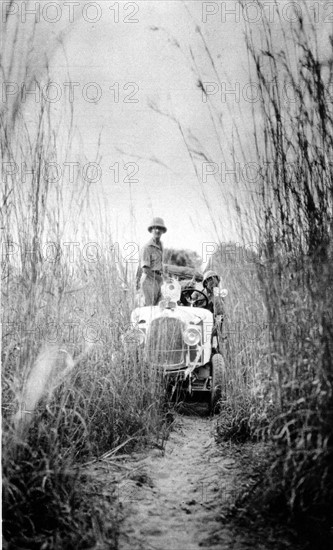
[177, 339]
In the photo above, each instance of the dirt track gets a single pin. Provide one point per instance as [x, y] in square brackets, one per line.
[173, 499]
[175, 507]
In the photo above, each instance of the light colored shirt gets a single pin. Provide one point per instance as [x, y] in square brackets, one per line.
[152, 256]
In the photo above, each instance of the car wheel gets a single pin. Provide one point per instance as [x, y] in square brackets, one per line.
[218, 383]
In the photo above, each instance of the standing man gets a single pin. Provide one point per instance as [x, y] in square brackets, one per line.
[152, 264]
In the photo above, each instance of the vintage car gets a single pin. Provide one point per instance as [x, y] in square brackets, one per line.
[179, 336]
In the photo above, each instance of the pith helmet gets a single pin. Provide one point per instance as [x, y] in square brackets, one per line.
[209, 275]
[157, 222]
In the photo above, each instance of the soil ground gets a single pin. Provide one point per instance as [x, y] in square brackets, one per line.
[176, 498]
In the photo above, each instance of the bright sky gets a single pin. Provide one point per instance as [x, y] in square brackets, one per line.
[134, 65]
[144, 53]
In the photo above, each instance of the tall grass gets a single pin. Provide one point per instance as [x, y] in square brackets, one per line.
[294, 149]
[71, 391]
[250, 396]
[279, 382]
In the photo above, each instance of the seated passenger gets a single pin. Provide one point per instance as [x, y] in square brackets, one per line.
[215, 304]
[210, 281]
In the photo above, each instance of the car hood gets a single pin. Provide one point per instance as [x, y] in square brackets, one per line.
[193, 315]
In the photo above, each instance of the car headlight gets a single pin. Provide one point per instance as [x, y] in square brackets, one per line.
[192, 336]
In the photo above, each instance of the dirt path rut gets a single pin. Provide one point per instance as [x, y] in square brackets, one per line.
[175, 505]
[175, 498]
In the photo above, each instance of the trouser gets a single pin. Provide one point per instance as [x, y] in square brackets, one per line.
[151, 289]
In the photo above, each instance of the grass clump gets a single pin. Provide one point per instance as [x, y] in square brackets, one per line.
[294, 144]
[44, 495]
[278, 321]
[71, 392]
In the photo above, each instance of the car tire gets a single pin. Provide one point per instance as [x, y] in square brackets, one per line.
[218, 383]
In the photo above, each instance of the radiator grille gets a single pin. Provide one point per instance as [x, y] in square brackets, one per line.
[165, 344]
